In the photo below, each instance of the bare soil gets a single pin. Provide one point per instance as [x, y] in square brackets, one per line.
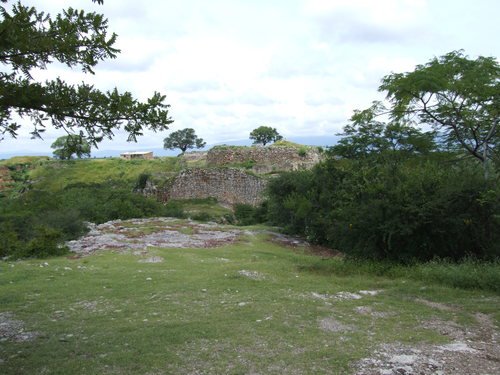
[474, 350]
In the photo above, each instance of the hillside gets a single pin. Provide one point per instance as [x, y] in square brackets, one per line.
[53, 175]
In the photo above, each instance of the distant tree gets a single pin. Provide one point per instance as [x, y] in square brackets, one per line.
[67, 146]
[458, 96]
[183, 139]
[265, 135]
[31, 40]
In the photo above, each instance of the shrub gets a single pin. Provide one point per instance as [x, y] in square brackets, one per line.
[415, 209]
[38, 222]
[302, 151]
[47, 242]
[142, 180]
[245, 214]
[202, 216]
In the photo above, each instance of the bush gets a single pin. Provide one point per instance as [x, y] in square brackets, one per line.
[142, 181]
[38, 222]
[302, 151]
[202, 216]
[416, 209]
[47, 242]
[246, 214]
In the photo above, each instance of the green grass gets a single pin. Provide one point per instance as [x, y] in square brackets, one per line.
[196, 312]
[206, 209]
[467, 274]
[56, 175]
[20, 160]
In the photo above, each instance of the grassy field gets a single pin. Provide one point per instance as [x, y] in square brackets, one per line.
[250, 307]
[54, 175]
[57, 175]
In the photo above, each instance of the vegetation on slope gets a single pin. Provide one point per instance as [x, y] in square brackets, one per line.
[51, 200]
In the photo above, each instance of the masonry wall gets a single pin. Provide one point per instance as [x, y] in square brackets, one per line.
[227, 185]
[265, 159]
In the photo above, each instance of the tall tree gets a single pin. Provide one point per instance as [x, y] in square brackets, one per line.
[458, 96]
[67, 146]
[265, 135]
[31, 39]
[183, 139]
[367, 136]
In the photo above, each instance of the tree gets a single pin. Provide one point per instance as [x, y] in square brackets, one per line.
[366, 136]
[265, 135]
[32, 40]
[183, 139]
[69, 145]
[458, 96]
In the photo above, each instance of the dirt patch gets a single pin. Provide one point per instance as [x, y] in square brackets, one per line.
[455, 358]
[12, 329]
[333, 325]
[153, 259]
[473, 350]
[343, 295]
[368, 310]
[298, 243]
[435, 305]
[254, 275]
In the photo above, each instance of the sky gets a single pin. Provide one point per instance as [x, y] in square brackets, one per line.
[300, 66]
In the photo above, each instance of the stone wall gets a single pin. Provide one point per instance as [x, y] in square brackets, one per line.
[194, 156]
[265, 159]
[6, 180]
[227, 185]
[225, 178]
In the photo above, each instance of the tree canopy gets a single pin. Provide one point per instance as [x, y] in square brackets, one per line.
[367, 136]
[67, 146]
[265, 135]
[31, 39]
[183, 139]
[458, 96]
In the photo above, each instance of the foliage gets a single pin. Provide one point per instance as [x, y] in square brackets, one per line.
[45, 243]
[458, 96]
[302, 151]
[399, 193]
[33, 40]
[202, 209]
[183, 139]
[368, 136]
[265, 135]
[142, 181]
[67, 146]
[465, 274]
[415, 209]
[38, 222]
[246, 214]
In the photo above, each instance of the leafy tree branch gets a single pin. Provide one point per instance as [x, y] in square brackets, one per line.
[30, 40]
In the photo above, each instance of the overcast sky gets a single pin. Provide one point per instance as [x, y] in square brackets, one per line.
[301, 66]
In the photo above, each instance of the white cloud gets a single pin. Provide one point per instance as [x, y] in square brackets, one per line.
[365, 21]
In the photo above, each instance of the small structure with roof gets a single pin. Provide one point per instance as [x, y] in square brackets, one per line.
[137, 155]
